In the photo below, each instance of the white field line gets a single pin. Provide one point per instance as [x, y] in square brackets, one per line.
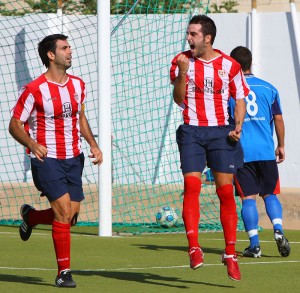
[152, 268]
[134, 236]
[145, 268]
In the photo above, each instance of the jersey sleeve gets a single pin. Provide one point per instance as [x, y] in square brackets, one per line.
[83, 95]
[24, 105]
[173, 70]
[276, 106]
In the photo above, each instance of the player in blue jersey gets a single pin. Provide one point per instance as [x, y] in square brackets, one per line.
[259, 174]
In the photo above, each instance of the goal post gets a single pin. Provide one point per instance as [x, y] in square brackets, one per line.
[104, 117]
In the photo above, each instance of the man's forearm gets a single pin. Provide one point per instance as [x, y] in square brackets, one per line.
[17, 131]
[279, 129]
[239, 114]
[179, 88]
[86, 132]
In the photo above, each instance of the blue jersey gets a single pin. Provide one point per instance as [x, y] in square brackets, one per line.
[263, 103]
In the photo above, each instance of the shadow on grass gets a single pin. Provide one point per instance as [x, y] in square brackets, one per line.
[207, 250]
[177, 248]
[80, 230]
[23, 279]
[146, 278]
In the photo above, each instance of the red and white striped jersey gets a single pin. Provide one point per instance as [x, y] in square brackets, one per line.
[51, 111]
[209, 85]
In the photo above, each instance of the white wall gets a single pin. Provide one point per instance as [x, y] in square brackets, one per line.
[277, 62]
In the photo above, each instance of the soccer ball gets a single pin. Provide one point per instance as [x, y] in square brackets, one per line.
[166, 217]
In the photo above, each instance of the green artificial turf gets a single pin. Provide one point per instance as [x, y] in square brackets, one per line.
[143, 263]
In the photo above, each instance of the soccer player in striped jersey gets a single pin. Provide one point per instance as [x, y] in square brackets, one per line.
[204, 78]
[48, 119]
[259, 175]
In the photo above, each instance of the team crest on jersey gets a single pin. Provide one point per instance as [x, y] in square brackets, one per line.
[67, 110]
[222, 73]
[209, 82]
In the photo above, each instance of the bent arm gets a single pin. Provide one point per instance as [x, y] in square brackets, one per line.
[239, 114]
[18, 132]
[180, 81]
[179, 88]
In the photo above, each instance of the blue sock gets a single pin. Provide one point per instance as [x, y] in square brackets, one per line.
[250, 219]
[274, 211]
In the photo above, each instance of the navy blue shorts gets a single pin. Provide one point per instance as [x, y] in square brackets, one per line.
[260, 177]
[201, 146]
[55, 177]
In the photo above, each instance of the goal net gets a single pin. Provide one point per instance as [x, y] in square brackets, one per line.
[145, 36]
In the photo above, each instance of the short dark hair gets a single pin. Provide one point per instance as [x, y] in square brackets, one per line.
[243, 56]
[207, 24]
[49, 44]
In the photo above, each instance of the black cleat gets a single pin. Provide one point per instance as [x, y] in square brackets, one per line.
[65, 280]
[252, 252]
[25, 229]
[282, 244]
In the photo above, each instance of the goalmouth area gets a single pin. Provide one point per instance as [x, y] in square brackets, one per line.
[145, 165]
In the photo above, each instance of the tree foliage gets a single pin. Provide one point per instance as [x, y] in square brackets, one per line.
[119, 7]
[226, 6]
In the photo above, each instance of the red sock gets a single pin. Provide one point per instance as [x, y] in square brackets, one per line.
[191, 209]
[45, 217]
[62, 244]
[228, 216]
